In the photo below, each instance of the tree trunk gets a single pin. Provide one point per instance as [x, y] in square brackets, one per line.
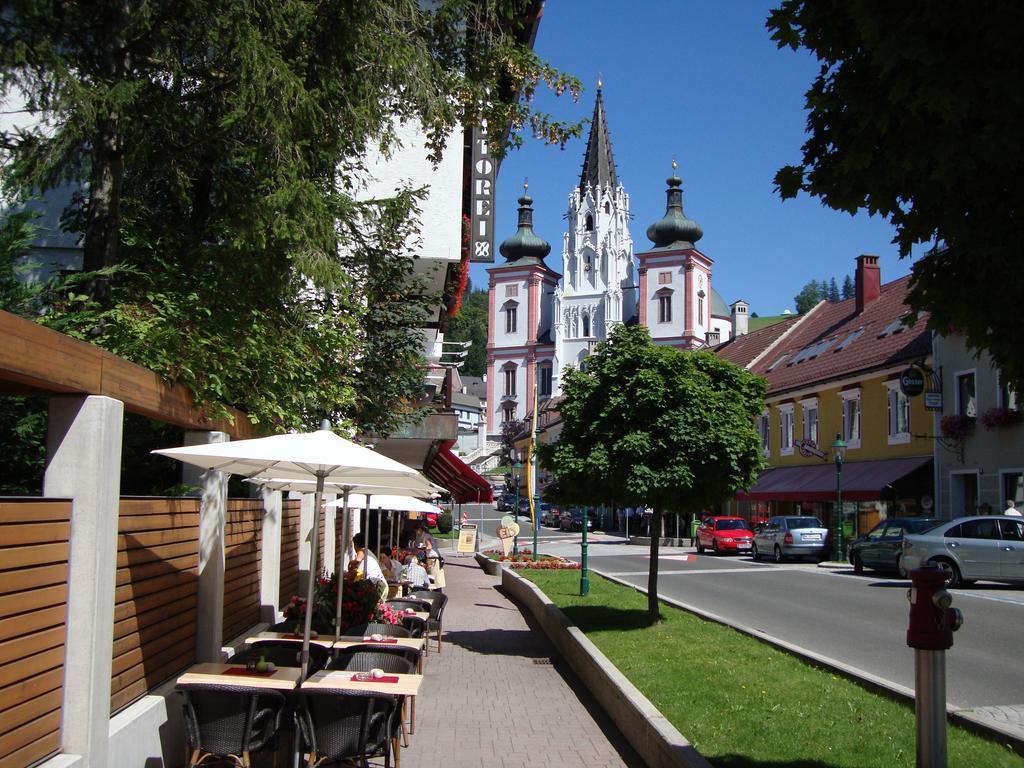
[653, 614]
[103, 213]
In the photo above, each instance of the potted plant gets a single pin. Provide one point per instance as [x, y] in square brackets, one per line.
[956, 426]
[994, 418]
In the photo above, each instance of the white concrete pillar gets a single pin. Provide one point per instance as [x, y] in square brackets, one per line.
[305, 541]
[83, 449]
[270, 557]
[212, 512]
[330, 534]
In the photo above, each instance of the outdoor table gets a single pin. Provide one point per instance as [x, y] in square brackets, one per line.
[281, 679]
[405, 585]
[341, 680]
[290, 637]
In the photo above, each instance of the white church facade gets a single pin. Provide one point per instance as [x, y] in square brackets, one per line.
[540, 321]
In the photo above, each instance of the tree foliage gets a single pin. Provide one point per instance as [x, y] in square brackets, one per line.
[914, 116]
[220, 148]
[653, 426]
[470, 324]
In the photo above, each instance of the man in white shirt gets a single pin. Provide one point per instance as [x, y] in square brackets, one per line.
[1011, 509]
[415, 573]
[369, 567]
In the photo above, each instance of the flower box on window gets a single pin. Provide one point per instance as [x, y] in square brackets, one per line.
[994, 418]
[956, 427]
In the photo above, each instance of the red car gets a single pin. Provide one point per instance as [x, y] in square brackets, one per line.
[724, 534]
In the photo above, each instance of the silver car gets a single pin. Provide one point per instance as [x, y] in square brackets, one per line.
[988, 547]
[791, 536]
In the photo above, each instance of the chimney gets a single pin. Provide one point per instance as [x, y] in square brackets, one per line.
[868, 281]
[740, 317]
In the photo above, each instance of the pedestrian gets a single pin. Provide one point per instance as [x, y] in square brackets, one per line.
[1011, 509]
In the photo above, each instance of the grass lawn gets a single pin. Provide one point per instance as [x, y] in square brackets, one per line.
[743, 703]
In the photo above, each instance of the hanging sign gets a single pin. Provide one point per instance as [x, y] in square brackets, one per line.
[933, 401]
[483, 175]
[809, 448]
[912, 382]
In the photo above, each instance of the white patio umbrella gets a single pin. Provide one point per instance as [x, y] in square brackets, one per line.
[406, 493]
[321, 456]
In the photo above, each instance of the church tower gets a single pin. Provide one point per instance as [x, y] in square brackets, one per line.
[597, 254]
[519, 347]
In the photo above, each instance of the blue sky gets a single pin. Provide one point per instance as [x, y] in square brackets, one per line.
[701, 81]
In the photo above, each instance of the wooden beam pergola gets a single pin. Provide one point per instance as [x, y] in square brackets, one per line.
[40, 361]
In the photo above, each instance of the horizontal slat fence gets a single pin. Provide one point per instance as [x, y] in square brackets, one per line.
[290, 512]
[243, 548]
[33, 612]
[155, 598]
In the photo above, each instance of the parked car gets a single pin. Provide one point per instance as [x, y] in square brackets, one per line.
[724, 534]
[881, 548]
[549, 515]
[573, 521]
[791, 536]
[988, 547]
[430, 518]
[506, 502]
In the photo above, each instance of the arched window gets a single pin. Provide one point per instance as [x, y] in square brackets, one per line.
[544, 385]
[589, 223]
[607, 207]
[511, 309]
[586, 325]
[664, 297]
[508, 373]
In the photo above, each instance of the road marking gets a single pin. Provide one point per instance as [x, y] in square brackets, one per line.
[706, 570]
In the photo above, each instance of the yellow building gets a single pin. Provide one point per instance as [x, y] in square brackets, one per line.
[835, 373]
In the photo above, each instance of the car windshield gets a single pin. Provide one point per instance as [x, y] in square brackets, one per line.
[730, 525]
[803, 522]
[919, 526]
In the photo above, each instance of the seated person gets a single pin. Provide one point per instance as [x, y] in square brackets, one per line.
[434, 564]
[415, 573]
[391, 566]
[367, 565]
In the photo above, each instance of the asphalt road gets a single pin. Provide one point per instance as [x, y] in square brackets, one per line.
[858, 620]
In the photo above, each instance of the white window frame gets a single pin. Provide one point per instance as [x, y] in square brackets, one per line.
[848, 395]
[957, 375]
[1002, 397]
[786, 429]
[511, 310]
[664, 302]
[1002, 486]
[545, 375]
[509, 375]
[893, 396]
[807, 405]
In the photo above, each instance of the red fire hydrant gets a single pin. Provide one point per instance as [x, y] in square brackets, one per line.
[930, 633]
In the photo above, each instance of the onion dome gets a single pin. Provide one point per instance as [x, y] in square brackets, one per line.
[674, 229]
[524, 244]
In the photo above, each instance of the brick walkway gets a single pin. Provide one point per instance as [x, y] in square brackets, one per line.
[492, 697]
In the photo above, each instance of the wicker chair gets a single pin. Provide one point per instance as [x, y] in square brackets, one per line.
[339, 725]
[290, 625]
[373, 628]
[230, 722]
[365, 660]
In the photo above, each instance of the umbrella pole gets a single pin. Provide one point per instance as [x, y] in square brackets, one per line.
[311, 589]
[341, 560]
[380, 521]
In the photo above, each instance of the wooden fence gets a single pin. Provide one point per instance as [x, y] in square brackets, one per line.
[290, 513]
[33, 611]
[243, 547]
[155, 599]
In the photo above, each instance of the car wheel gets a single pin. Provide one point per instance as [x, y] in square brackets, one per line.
[858, 564]
[755, 554]
[714, 548]
[951, 572]
[778, 554]
[700, 548]
[900, 570]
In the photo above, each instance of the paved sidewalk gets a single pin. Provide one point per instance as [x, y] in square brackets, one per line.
[493, 697]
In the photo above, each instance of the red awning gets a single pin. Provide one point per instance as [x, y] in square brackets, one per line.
[862, 480]
[448, 470]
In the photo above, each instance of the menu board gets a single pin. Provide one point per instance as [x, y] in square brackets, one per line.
[467, 538]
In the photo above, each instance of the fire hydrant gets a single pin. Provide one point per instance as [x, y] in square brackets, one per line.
[930, 633]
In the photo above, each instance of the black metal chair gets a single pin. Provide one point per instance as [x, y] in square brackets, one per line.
[230, 722]
[364, 660]
[339, 725]
[374, 628]
[438, 601]
[291, 625]
[283, 653]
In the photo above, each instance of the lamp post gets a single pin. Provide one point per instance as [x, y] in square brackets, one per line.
[584, 579]
[517, 469]
[839, 455]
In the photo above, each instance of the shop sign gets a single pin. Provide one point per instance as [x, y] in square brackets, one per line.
[482, 179]
[809, 448]
[912, 382]
[933, 401]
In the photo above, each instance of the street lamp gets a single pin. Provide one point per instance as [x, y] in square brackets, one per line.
[839, 455]
[517, 470]
[584, 578]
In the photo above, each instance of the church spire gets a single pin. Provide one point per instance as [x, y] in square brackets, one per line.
[598, 163]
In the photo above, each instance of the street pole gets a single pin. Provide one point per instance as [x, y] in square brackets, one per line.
[839, 453]
[516, 469]
[584, 581]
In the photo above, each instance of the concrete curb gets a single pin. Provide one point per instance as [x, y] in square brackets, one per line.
[653, 737]
[979, 725]
[490, 567]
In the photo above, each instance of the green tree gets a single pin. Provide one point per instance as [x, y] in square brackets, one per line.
[848, 291]
[648, 425]
[914, 116]
[833, 290]
[470, 324]
[809, 295]
[219, 147]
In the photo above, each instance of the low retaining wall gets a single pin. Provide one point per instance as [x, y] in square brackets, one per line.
[653, 737]
[490, 567]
